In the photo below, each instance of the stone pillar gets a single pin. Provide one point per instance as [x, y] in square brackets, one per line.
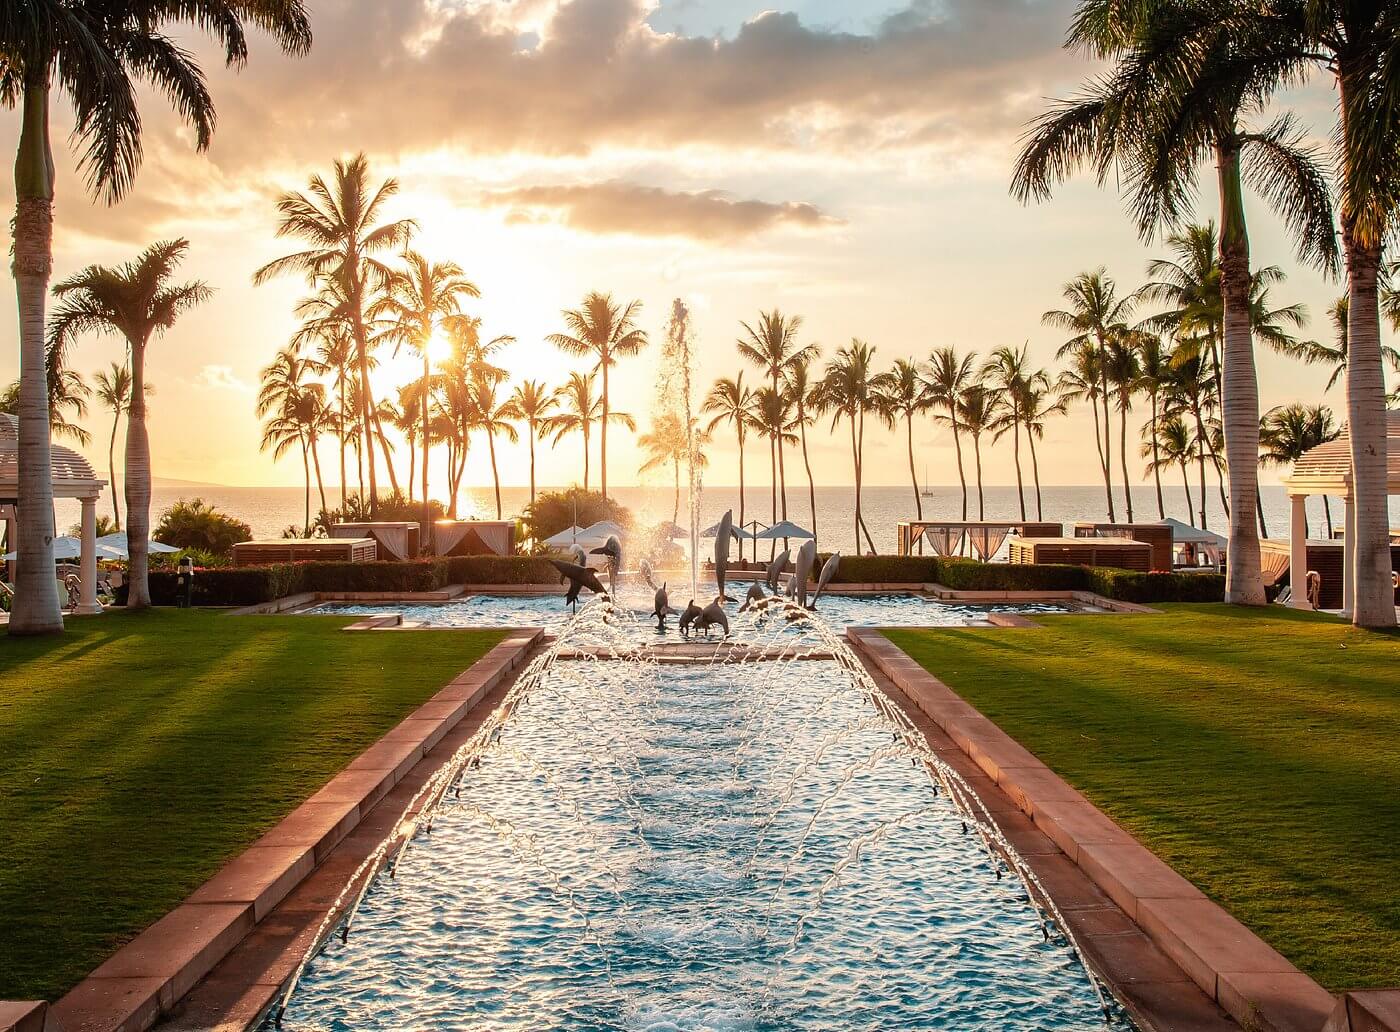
[87, 600]
[1298, 552]
[1349, 557]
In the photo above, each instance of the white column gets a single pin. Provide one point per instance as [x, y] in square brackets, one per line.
[1349, 557]
[1298, 552]
[87, 600]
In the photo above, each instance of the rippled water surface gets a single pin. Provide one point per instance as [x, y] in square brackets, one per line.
[722, 847]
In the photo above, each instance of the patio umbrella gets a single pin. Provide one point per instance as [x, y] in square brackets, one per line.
[116, 543]
[72, 548]
[565, 537]
[785, 529]
[737, 533]
[672, 531]
[602, 529]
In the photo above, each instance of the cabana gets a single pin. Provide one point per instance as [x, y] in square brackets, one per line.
[945, 537]
[73, 477]
[1200, 543]
[1159, 536]
[474, 537]
[393, 540]
[1326, 470]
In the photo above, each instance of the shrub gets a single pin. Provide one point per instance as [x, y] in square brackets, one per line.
[392, 508]
[1128, 586]
[553, 511]
[971, 575]
[240, 586]
[418, 575]
[883, 569]
[499, 569]
[195, 525]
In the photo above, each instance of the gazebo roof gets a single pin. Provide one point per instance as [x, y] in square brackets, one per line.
[73, 475]
[1326, 469]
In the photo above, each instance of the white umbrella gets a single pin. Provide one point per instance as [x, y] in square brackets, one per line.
[72, 548]
[784, 529]
[602, 529]
[565, 537]
[738, 533]
[117, 544]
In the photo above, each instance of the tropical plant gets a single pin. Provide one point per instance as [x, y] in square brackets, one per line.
[554, 511]
[1008, 373]
[771, 344]
[95, 54]
[773, 419]
[1287, 432]
[1122, 371]
[799, 387]
[137, 301]
[1038, 402]
[608, 331]
[339, 223]
[102, 526]
[67, 402]
[492, 415]
[948, 376]
[978, 414]
[1154, 377]
[729, 401]
[532, 403]
[1172, 444]
[580, 408]
[194, 525]
[114, 391]
[295, 407]
[901, 393]
[670, 442]
[846, 391]
[326, 324]
[1335, 354]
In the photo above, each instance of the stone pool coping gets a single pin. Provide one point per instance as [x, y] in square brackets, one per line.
[1244, 975]
[242, 910]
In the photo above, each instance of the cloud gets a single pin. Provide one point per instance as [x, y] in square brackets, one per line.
[622, 207]
[221, 378]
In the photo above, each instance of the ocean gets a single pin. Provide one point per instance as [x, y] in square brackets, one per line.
[270, 510]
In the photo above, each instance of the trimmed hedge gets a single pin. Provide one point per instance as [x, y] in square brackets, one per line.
[882, 569]
[500, 569]
[1128, 586]
[970, 575]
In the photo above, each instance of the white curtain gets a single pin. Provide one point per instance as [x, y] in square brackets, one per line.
[944, 540]
[986, 540]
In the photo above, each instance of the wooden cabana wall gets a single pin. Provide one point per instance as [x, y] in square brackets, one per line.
[1157, 535]
[1119, 553]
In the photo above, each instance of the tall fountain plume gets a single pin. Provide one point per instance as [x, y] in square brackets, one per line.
[674, 402]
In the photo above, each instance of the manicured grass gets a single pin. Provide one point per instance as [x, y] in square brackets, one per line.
[141, 751]
[1256, 751]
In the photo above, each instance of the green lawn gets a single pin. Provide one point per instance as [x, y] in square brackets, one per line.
[1256, 751]
[139, 752]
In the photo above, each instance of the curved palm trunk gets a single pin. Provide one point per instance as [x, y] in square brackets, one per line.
[1103, 462]
[1016, 454]
[957, 448]
[811, 484]
[495, 474]
[913, 479]
[977, 452]
[1186, 483]
[531, 426]
[676, 497]
[773, 489]
[1107, 456]
[427, 531]
[36, 604]
[1239, 400]
[1373, 597]
[585, 456]
[1259, 511]
[412, 466]
[740, 435]
[320, 484]
[138, 484]
[340, 429]
[1035, 475]
[306, 472]
[1201, 460]
[1123, 451]
[855, 471]
[365, 451]
[860, 481]
[1157, 462]
[112, 467]
[1327, 513]
[603, 442]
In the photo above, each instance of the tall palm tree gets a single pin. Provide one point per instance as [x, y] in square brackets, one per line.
[327, 325]
[1123, 372]
[532, 403]
[407, 417]
[1008, 373]
[493, 415]
[847, 391]
[95, 55]
[339, 223]
[729, 401]
[1189, 393]
[978, 413]
[1172, 445]
[773, 418]
[1175, 98]
[607, 330]
[799, 388]
[903, 394]
[947, 377]
[1081, 381]
[295, 405]
[771, 344]
[1038, 402]
[114, 391]
[1094, 314]
[669, 443]
[1287, 432]
[137, 301]
[1335, 355]
[580, 408]
[1154, 377]
[418, 302]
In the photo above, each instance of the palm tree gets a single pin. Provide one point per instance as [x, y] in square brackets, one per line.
[1172, 445]
[846, 390]
[1081, 380]
[977, 412]
[1038, 402]
[1182, 81]
[407, 418]
[114, 391]
[338, 223]
[669, 442]
[773, 418]
[609, 331]
[94, 54]
[1335, 355]
[1007, 373]
[1154, 376]
[492, 415]
[580, 409]
[1189, 393]
[326, 323]
[137, 301]
[948, 376]
[67, 401]
[1122, 371]
[1288, 431]
[772, 346]
[731, 402]
[532, 404]
[902, 393]
[419, 301]
[799, 388]
[295, 405]
[1095, 313]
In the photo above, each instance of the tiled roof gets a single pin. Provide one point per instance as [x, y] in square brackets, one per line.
[1330, 464]
[73, 475]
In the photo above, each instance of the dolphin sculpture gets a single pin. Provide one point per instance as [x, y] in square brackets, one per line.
[644, 567]
[828, 571]
[612, 548]
[776, 568]
[578, 555]
[723, 539]
[661, 608]
[688, 617]
[755, 599]
[711, 616]
[578, 577]
[802, 570]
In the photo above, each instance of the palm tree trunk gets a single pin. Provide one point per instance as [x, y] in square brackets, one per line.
[855, 467]
[1016, 454]
[1156, 461]
[412, 465]
[957, 448]
[138, 484]
[1201, 461]
[1327, 512]
[1123, 450]
[1107, 436]
[340, 430]
[1186, 483]
[676, 498]
[603, 442]
[1259, 508]
[585, 456]
[365, 452]
[1239, 400]
[320, 484]
[913, 479]
[306, 471]
[1373, 598]
[977, 452]
[36, 603]
[811, 484]
[531, 431]
[1103, 462]
[773, 488]
[427, 529]
[112, 467]
[1035, 474]
[740, 434]
[495, 475]
[860, 481]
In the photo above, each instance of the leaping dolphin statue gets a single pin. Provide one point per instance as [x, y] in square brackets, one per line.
[802, 570]
[713, 615]
[776, 568]
[578, 577]
[612, 548]
[755, 599]
[723, 539]
[828, 571]
[691, 614]
[578, 555]
[661, 608]
[644, 567]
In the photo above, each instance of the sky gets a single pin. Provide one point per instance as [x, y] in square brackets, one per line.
[842, 160]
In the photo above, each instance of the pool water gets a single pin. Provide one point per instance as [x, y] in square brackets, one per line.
[696, 847]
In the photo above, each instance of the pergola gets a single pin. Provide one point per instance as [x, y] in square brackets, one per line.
[73, 477]
[1326, 470]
